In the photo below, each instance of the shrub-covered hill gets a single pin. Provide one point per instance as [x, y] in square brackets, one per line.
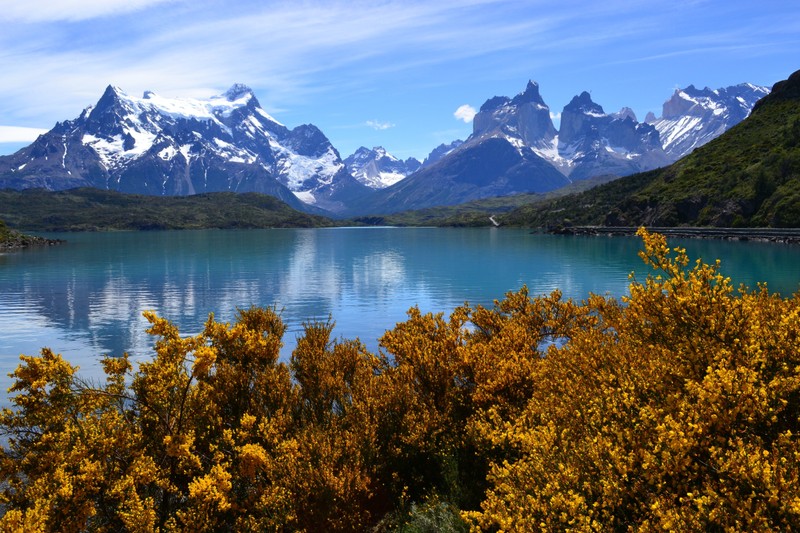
[748, 177]
[93, 209]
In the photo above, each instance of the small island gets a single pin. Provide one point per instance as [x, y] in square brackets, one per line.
[14, 240]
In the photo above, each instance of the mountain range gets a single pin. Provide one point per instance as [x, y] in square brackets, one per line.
[160, 146]
[178, 146]
[516, 148]
[749, 176]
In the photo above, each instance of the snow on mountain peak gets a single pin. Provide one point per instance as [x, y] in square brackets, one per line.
[179, 108]
[237, 91]
[377, 168]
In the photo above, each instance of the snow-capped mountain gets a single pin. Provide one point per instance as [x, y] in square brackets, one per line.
[441, 151]
[692, 117]
[515, 146]
[588, 142]
[591, 142]
[377, 168]
[176, 146]
[524, 120]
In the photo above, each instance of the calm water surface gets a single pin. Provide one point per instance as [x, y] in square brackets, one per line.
[85, 298]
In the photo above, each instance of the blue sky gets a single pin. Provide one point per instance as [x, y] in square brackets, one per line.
[389, 73]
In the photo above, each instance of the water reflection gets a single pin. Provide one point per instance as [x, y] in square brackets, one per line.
[86, 298]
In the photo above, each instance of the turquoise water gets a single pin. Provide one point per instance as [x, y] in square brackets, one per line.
[86, 298]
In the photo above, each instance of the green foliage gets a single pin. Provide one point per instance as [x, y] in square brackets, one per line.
[674, 408]
[93, 210]
[431, 516]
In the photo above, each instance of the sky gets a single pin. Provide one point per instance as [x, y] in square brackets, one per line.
[407, 75]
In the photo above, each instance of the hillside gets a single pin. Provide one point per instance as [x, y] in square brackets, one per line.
[747, 177]
[93, 210]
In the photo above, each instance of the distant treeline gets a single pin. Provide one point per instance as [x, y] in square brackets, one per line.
[97, 210]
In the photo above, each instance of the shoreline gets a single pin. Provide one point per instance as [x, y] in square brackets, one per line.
[777, 235]
[16, 241]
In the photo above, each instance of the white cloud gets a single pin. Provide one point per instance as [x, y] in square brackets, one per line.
[379, 126]
[69, 10]
[466, 113]
[555, 116]
[15, 134]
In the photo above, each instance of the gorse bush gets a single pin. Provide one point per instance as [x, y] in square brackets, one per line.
[674, 408]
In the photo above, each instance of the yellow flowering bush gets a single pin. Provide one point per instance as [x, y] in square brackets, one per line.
[674, 408]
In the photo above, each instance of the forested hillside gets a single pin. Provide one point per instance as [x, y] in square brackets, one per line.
[97, 210]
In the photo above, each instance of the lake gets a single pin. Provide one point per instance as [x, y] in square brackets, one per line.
[85, 298]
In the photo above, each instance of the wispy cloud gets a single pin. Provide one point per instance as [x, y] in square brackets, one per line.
[378, 125]
[466, 113]
[69, 10]
[288, 52]
[15, 134]
[313, 58]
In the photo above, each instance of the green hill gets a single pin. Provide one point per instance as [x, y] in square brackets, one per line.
[747, 177]
[97, 210]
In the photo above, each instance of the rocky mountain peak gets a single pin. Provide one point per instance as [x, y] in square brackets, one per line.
[237, 91]
[377, 168]
[175, 146]
[529, 96]
[495, 102]
[525, 117]
[583, 104]
[626, 113]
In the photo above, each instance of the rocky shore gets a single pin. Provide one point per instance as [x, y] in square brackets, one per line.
[11, 240]
[779, 235]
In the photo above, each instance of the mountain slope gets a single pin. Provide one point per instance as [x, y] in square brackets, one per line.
[170, 146]
[440, 151]
[493, 167]
[749, 176]
[498, 159]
